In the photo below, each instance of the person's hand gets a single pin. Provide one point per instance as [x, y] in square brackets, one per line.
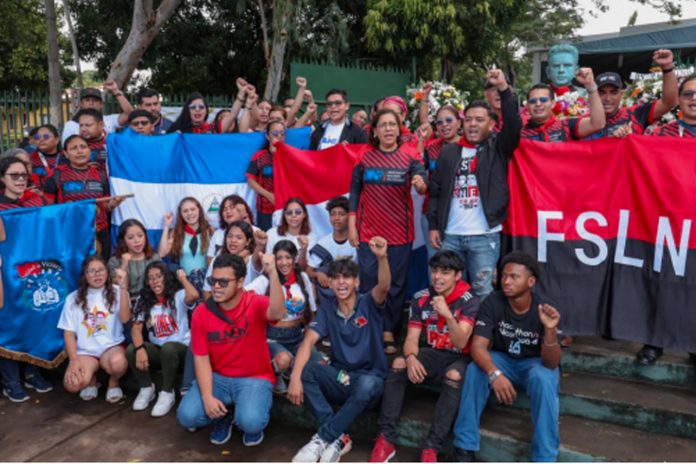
[353, 236]
[585, 76]
[497, 78]
[424, 131]
[418, 182]
[441, 307]
[261, 239]
[301, 81]
[271, 198]
[111, 87]
[268, 263]
[121, 278]
[303, 241]
[241, 85]
[427, 88]
[250, 89]
[141, 360]
[663, 58]
[251, 99]
[214, 408]
[504, 391]
[181, 276]
[549, 316]
[322, 279]
[295, 392]
[435, 239]
[168, 220]
[115, 202]
[415, 370]
[125, 259]
[309, 96]
[312, 108]
[378, 247]
[623, 131]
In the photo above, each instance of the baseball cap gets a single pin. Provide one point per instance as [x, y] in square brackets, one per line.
[90, 92]
[609, 78]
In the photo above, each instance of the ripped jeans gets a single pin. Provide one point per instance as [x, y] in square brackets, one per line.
[480, 254]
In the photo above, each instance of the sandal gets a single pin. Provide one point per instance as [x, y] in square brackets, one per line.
[90, 392]
[114, 395]
[390, 347]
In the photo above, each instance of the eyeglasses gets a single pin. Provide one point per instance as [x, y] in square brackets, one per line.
[196, 107]
[96, 272]
[388, 125]
[140, 123]
[44, 136]
[533, 101]
[277, 133]
[18, 175]
[441, 122]
[688, 94]
[294, 212]
[223, 283]
[334, 103]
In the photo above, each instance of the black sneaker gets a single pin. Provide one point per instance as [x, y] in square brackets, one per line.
[648, 355]
[462, 455]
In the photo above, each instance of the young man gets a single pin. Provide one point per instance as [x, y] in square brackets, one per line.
[92, 130]
[150, 100]
[355, 377]
[468, 190]
[231, 356]
[338, 128]
[142, 122]
[543, 125]
[446, 312]
[91, 98]
[515, 345]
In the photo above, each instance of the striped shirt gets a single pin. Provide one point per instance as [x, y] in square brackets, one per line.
[678, 129]
[68, 184]
[28, 200]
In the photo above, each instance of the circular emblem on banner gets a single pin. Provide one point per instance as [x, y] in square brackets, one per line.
[43, 286]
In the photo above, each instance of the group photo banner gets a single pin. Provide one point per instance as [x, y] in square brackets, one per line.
[610, 221]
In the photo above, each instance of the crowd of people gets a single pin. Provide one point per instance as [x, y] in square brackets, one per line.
[237, 312]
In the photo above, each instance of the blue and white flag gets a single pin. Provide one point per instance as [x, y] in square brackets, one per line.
[42, 256]
[162, 170]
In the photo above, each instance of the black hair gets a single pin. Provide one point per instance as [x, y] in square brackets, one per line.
[97, 115]
[49, 127]
[305, 228]
[546, 87]
[147, 298]
[183, 122]
[523, 258]
[446, 259]
[82, 286]
[71, 138]
[121, 246]
[345, 267]
[246, 230]
[482, 104]
[5, 164]
[340, 92]
[291, 249]
[374, 140]
[146, 93]
[337, 202]
[141, 114]
[235, 200]
[235, 262]
[687, 79]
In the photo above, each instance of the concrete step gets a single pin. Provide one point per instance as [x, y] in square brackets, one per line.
[615, 358]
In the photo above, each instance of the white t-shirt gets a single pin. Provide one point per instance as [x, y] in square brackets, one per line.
[165, 325]
[466, 212]
[71, 127]
[98, 329]
[332, 135]
[293, 306]
[251, 273]
[217, 241]
[336, 250]
[274, 237]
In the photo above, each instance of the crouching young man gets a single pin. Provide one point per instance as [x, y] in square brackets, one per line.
[515, 345]
[446, 312]
[355, 378]
[231, 356]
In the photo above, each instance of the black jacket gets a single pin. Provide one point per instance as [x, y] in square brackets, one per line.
[491, 170]
[352, 133]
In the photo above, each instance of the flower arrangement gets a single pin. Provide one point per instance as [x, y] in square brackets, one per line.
[570, 103]
[442, 94]
[646, 87]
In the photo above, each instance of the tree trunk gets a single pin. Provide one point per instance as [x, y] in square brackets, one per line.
[146, 24]
[73, 43]
[282, 11]
[55, 86]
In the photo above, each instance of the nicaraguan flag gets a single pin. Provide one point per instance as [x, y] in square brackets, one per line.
[42, 255]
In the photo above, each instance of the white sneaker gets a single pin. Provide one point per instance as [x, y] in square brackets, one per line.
[336, 449]
[164, 404]
[312, 451]
[145, 395]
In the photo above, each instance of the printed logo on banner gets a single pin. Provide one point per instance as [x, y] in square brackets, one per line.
[44, 288]
[211, 206]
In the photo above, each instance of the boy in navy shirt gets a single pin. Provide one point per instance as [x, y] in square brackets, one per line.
[358, 367]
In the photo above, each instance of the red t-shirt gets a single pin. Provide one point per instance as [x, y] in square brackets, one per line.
[238, 350]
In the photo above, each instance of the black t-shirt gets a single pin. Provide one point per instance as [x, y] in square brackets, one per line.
[519, 336]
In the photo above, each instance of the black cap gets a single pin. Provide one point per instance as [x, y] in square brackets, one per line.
[609, 78]
[90, 92]
[140, 114]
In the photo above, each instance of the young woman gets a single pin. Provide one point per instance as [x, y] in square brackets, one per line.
[260, 174]
[381, 206]
[188, 242]
[163, 308]
[233, 208]
[285, 337]
[92, 322]
[133, 254]
[193, 118]
[293, 225]
[14, 183]
[81, 179]
[47, 156]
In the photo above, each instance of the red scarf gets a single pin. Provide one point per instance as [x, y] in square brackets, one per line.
[289, 280]
[460, 289]
[541, 128]
[204, 128]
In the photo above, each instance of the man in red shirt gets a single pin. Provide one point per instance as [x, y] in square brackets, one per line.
[231, 357]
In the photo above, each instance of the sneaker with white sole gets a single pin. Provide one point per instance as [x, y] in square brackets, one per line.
[312, 451]
[145, 396]
[222, 430]
[38, 383]
[336, 449]
[164, 404]
[15, 393]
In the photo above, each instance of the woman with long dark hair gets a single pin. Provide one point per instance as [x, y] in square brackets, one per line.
[163, 308]
[47, 156]
[133, 254]
[232, 208]
[294, 226]
[193, 118]
[14, 183]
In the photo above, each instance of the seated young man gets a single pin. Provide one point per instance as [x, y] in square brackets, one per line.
[231, 356]
[515, 345]
[355, 377]
[445, 313]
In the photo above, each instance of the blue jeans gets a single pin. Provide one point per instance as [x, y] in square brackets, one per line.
[322, 389]
[252, 399]
[9, 371]
[480, 254]
[541, 385]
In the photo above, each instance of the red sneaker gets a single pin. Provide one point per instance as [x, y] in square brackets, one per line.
[428, 455]
[383, 451]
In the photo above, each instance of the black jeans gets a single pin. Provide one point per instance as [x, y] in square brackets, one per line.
[436, 363]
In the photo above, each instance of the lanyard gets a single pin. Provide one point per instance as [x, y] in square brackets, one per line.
[45, 162]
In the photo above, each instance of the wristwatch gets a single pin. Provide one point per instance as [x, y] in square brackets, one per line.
[493, 376]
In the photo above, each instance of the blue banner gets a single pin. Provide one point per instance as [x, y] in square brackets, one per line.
[42, 254]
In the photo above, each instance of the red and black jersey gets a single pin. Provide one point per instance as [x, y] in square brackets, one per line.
[28, 200]
[553, 130]
[68, 184]
[407, 137]
[42, 165]
[380, 194]
[676, 129]
[261, 170]
[639, 116]
[464, 306]
[97, 150]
